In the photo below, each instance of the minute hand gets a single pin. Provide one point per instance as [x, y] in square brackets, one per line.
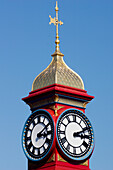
[77, 133]
[40, 133]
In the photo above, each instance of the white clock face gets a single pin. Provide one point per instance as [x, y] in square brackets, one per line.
[75, 135]
[38, 135]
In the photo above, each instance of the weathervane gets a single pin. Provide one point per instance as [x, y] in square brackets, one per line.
[56, 22]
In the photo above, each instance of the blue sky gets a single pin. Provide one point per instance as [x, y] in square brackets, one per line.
[26, 45]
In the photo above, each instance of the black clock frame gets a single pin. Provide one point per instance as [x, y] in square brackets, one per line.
[90, 147]
[30, 155]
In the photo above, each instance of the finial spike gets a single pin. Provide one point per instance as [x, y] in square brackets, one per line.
[56, 8]
[56, 22]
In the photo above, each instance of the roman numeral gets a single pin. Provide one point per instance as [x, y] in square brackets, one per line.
[38, 151]
[38, 119]
[46, 126]
[74, 150]
[86, 136]
[80, 122]
[29, 146]
[85, 144]
[33, 123]
[44, 119]
[62, 132]
[63, 124]
[68, 119]
[33, 150]
[63, 140]
[68, 147]
[48, 132]
[74, 118]
[80, 149]
[47, 140]
[29, 138]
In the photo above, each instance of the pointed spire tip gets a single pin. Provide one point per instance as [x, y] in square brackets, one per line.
[55, 21]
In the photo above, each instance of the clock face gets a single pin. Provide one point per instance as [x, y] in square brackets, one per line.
[38, 135]
[75, 135]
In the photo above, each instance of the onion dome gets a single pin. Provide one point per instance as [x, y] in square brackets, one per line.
[57, 72]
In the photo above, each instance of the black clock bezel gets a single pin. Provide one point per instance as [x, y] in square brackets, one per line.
[90, 148]
[35, 114]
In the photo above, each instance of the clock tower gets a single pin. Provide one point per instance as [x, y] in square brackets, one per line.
[58, 135]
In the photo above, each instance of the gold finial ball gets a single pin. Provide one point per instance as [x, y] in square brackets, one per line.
[57, 41]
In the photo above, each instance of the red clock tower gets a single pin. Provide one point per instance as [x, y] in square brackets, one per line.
[58, 135]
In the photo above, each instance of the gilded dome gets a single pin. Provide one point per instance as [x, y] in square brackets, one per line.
[57, 73]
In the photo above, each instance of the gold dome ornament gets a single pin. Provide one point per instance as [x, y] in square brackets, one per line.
[57, 72]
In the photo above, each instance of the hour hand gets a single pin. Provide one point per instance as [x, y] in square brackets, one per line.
[40, 134]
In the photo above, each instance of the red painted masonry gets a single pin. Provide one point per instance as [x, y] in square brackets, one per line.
[57, 89]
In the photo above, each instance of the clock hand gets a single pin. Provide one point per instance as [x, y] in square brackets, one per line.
[81, 136]
[84, 136]
[40, 133]
[75, 134]
[45, 134]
